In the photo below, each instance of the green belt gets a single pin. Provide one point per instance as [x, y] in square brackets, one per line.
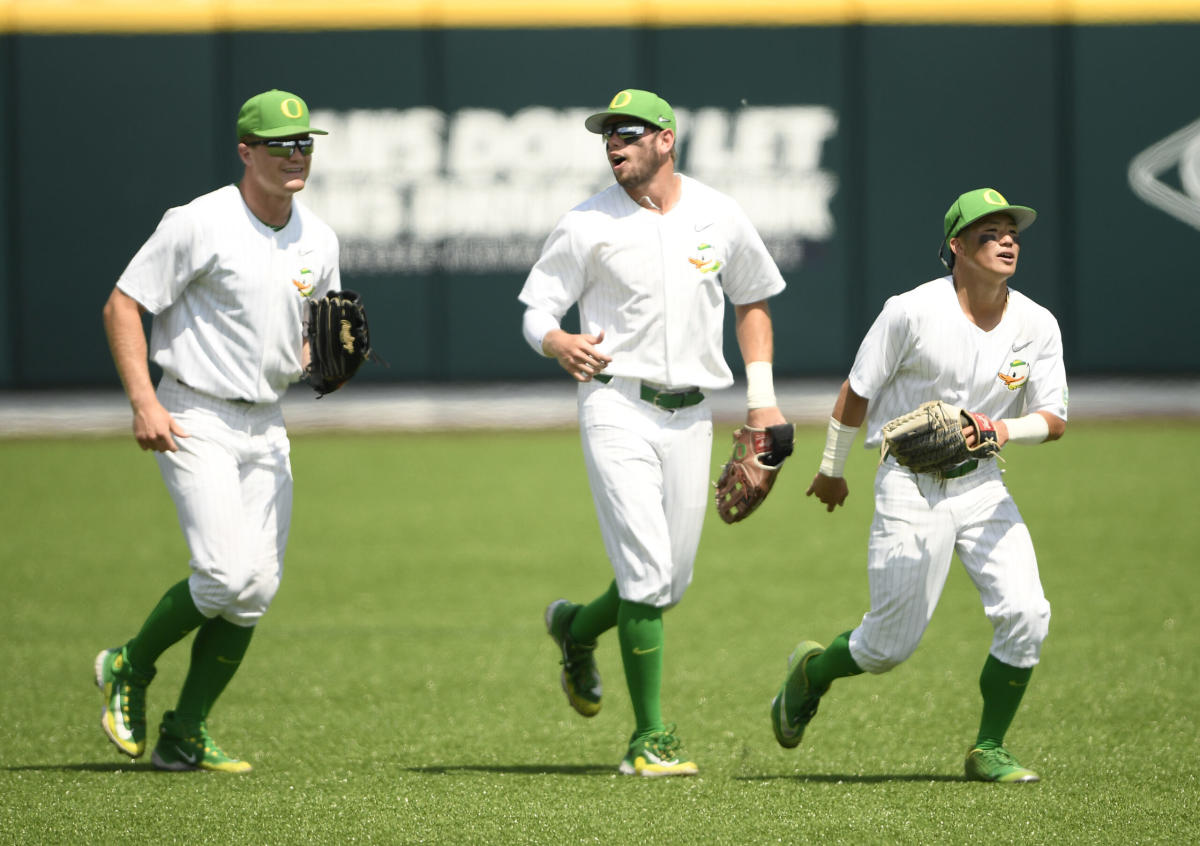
[962, 469]
[666, 400]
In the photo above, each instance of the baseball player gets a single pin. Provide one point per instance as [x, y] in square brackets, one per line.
[970, 340]
[649, 262]
[226, 277]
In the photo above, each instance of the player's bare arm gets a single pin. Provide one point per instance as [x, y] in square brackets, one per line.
[849, 410]
[153, 427]
[756, 339]
[576, 354]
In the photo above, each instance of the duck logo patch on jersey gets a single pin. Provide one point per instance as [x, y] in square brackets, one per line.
[305, 283]
[705, 261]
[1015, 375]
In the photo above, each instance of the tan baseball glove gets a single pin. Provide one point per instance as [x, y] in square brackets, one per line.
[751, 471]
[930, 438]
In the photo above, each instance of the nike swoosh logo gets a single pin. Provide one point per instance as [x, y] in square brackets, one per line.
[637, 651]
[700, 227]
[221, 659]
[191, 759]
[305, 252]
[1017, 683]
[1019, 347]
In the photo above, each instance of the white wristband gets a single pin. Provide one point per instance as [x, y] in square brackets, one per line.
[760, 385]
[1030, 429]
[534, 326]
[838, 440]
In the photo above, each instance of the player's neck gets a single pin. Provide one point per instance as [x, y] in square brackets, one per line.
[274, 211]
[983, 299]
[660, 194]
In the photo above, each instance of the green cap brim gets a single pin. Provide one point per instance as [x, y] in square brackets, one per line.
[285, 131]
[1023, 216]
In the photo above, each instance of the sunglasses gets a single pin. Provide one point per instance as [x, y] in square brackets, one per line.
[284, 149]
[628, 132]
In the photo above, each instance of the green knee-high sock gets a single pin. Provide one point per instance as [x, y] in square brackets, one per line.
[1002, 686]
[834, 663]
[216, 653]
[640, 630]
[169, 622]
[597, 617]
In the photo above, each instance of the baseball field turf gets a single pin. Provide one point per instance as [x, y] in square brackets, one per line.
[403, 689]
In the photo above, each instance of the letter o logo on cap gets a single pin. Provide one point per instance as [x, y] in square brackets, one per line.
[287, 106]
[621, 100]
[994, 198]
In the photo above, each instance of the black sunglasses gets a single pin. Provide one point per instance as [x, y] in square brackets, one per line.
[627, 131]
[284, 149]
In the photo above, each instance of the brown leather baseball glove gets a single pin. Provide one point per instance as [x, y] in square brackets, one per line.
[751, 471]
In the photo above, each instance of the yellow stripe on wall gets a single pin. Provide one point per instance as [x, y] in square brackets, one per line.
[119, 16]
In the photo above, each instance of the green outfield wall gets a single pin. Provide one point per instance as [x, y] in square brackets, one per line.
[455, 147]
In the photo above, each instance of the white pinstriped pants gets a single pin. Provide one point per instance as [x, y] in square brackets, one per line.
[232, 486]
[649, 474]
[920, 522]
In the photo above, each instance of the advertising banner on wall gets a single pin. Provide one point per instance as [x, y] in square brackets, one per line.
[418, 189]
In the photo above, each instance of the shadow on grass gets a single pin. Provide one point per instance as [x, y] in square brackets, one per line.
[85, 768]
[833, 778]
[517, 769]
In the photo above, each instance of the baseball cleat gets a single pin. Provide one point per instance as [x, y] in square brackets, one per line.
[796, 704]
[183, 747]
[997, 764]
[656, 755]
[123, 715]
[580, 676]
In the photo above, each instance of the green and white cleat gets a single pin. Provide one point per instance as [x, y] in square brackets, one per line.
[656, 755]
[123, 715]
[997, 764]
[183, 747]
[796, 703]
[580, 676]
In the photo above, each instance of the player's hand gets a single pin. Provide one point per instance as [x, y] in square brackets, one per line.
[577, 354]
[1001, 434]
[761, 418]
[153, 427]
[832, 492]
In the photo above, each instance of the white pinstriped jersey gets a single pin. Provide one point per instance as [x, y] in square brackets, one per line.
[654, 283]
[922, 347]
[227, 293]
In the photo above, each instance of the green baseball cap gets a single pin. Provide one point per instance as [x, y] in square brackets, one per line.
[632, 102]
[274, 114]
[971, 206]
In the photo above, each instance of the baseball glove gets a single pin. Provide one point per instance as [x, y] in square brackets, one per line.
[930, 439]
[338, 340]
[751, 471]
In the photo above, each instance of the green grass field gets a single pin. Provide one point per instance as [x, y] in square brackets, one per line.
[403, 689]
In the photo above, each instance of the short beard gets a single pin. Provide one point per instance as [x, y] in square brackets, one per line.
[631, 181]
